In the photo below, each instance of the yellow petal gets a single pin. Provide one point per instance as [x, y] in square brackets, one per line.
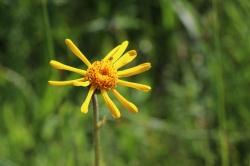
[80, 83]
[112, 107]
[137, 86]
[120, 51]
[60, 66]
[77, 52]
[127, 104]
[62, 83]
[125, 59]
[85, 104]
[134, 70]
[111, 53]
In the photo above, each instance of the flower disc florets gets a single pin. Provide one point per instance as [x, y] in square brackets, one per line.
[102, 75]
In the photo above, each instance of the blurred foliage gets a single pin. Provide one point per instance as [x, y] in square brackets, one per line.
[197, 113]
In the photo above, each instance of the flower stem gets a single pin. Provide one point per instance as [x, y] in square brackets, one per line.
[96, 135]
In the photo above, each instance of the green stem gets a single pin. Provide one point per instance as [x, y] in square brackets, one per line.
[96, 133]
[49, 40]
[220, 88]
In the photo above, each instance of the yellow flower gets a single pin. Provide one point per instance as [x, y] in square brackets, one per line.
[104, 76]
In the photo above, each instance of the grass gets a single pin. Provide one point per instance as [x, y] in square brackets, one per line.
[197, 113]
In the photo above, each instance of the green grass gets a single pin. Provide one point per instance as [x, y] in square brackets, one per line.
[196, 114]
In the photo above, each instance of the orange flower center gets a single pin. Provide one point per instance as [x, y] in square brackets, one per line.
[102, 75]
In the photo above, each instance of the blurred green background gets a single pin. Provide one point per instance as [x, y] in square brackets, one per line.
[196, 114]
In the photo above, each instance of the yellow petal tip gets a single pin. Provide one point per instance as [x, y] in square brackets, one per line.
[148, 88]
[54, 63]
[117, 116]
[84, 109]
[51, 62]
[132, 53]
[149, 64]
[125, 42]
[135, 110]
[67, 41]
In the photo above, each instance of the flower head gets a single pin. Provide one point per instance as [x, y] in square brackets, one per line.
[104, 76]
